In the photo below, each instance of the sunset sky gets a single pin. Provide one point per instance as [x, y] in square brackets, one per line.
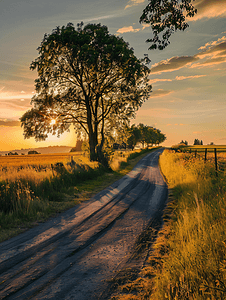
[188, 98]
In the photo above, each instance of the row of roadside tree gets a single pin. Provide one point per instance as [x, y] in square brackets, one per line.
[145, 135]
[129, 138]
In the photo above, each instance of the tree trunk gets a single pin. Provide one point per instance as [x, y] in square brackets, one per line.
[92, 148]
[92, 133]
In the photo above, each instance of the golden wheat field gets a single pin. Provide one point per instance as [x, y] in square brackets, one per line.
[39, 159]
[38, 166]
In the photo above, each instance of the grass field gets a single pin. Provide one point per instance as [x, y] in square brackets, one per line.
[188, 260]
[210, 148]
[31, 190]
[41, 159]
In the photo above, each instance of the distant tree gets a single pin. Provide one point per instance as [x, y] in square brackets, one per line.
[184, 142]
[134, 135]
[166, 17]
[198, 142]
[33, 152]
[146, 135]
[160, 137]
[12, 153]
[78, 146]
[212, 143]
[143, 134]
[88, 78]
[85, 146]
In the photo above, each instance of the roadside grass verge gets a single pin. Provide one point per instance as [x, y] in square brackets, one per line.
[188, 259]
[33, 193]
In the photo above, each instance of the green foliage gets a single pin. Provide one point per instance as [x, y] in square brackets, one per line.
[198, 142]
[166, 17]
[88, 78]
[134, 136]
[145, 135]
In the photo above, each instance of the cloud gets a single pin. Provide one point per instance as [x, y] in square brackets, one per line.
[7, 123]
[213, 43]
[14, 96]
[160, 93]
[127, 29]
[188, 77]
[212, 53]
[210, 62]
[16, 105]
[209, 9]
[134, 2]
[172, 64]
[213, 49]
[152, 81]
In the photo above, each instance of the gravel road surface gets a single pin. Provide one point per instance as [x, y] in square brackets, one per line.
[73, 255]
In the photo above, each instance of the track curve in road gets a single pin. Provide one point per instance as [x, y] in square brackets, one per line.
[72, 255]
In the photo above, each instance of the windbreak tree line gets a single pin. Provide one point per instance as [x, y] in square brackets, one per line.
[146, 135]
[88, 78]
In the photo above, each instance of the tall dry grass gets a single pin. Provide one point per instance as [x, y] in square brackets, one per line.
[32, 191]
[188, 261]
[193, 265]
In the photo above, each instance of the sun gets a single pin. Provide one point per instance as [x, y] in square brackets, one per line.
[53, 122]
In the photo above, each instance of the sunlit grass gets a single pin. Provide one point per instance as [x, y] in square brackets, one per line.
[189, 256]
[40, 159]
[32, 188]
[118, 158]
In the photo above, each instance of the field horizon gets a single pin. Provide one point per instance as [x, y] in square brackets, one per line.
[41, 150]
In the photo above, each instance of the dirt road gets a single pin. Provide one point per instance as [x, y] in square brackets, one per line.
[71, 256]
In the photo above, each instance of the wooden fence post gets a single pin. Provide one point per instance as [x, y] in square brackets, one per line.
[195, 153]
[216, 169]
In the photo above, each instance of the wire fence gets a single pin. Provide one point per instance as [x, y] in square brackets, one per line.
[216, 155]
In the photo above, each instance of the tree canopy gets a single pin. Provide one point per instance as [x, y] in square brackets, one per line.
[145, 135]
[88, 78]
[198, 142]
[166, 17]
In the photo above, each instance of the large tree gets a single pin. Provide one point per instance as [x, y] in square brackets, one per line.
[88, 78]
[165, 17]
